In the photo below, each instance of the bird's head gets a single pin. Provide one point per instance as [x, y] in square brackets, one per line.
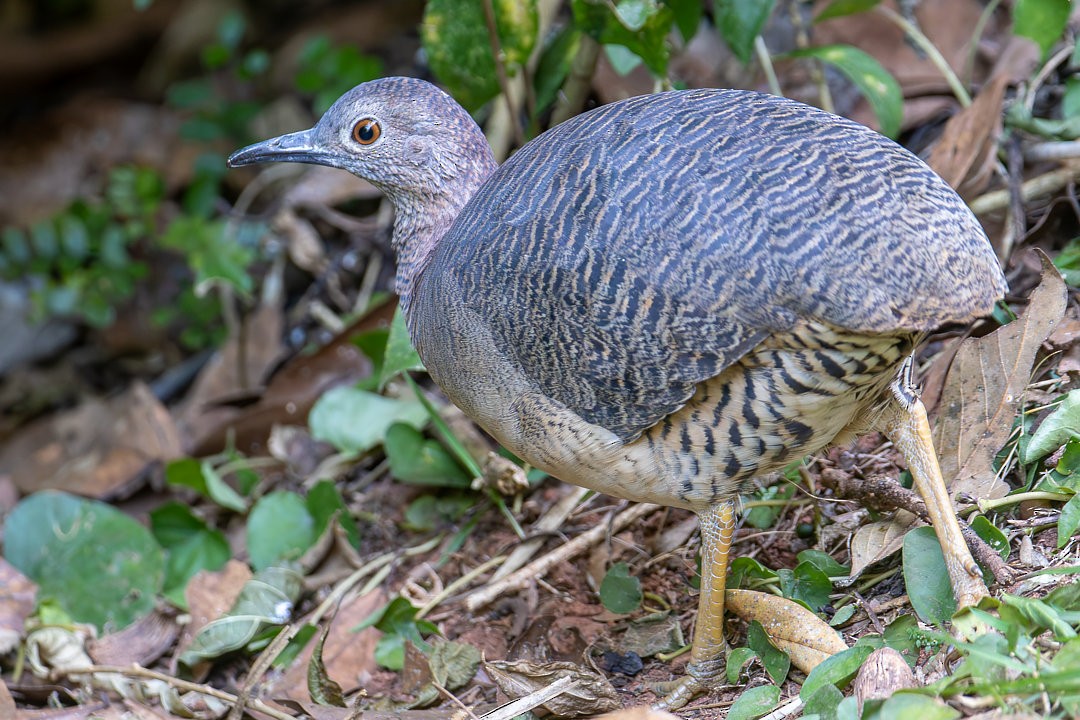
[405, 136]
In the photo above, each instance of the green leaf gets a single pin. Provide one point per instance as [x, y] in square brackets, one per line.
[688, 15]
[418, 461]
[836, 670]
[925, 577]
[554, 66]
[875, 83]
[1041, 20]
[806, 584]
[1043, 615]
[99, 565]
[321, 687]
[824, 703]
[911, 706]
[737, 659]
[1069, 521]
[754, 702]
[824, 562]
[397, 620]
[1060, 426]
[744, 569]
[266, 600]
[201, 477]
[993, 536]
[455, 37]
[776, 661]
[740, 22]
[902, 636]
[649, 43]
[323, 503]
[279, 528]
[620, 592]
[400, 356]
[430, 512]
[355, 421]
[840, 8]
[190, 544]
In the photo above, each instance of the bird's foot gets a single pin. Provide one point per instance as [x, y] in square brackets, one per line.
[700, 678]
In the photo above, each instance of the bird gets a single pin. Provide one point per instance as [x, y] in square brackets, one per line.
[668, 296]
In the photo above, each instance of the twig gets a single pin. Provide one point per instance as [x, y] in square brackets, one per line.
[530, 701]
[454, 699]
[138, 671]
[458, 584]
[882, 493]
[500, 69]
[550, 522]
[1064, 150]
[1039, 186]
[932, 53]
[260, 666]
[786, 710]
[766, 66]
[540, 567]
[578, 82]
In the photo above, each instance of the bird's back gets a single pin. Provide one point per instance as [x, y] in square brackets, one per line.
[632, 253]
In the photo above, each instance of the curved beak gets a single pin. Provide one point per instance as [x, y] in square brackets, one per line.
[295, 147]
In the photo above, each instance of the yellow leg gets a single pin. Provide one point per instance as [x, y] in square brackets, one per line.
[707, 654]
[906, 424]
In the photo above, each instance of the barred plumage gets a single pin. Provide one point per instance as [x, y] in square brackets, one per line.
[668, 295]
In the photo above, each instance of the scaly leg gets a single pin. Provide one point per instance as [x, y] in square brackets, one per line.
[905, 423]
[707, 654]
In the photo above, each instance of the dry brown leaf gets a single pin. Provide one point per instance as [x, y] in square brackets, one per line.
[90, 711]
[209, 595]
[17, 600]
[877, 541]
[346, 655]
[142, 642]
[966, 152]
[806, 638]
[7, 703]
[292, 391]
[588, 694]
[101, 449]
[985, 387]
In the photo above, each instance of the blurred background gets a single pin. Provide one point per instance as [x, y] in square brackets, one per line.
[206, 349]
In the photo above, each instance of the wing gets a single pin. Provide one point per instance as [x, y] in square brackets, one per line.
[625, 256]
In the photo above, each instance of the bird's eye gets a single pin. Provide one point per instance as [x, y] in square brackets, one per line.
[366, 131]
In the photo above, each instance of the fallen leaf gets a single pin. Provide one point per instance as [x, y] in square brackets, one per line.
[346, 655]
[985, 388]
[588, 694]
[209, 595]
[102, 449]
[142, 642]
[876, 541]
[966, 153]
[17, 600]
[807, 639]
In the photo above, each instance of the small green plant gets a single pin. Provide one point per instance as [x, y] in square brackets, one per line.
[80, 263]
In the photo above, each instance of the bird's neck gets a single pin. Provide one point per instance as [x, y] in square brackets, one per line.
[421, 222]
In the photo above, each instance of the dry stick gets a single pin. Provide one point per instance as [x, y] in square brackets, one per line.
[576, 88]
[550, 522]
[932, 53]
[539, 568]
[1046, 184]
[259, 668]
[500, 69]
[530, 701]
[882, 493]
[138, 671]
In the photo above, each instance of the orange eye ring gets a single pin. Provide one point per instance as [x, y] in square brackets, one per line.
[366, 131]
